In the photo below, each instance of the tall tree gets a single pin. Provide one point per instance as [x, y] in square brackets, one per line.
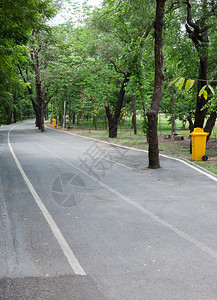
[152, 114]
[126, 24]
[18, 19]
[198, 33]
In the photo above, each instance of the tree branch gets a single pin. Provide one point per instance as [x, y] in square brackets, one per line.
[116, 68]
[146, 33]
[205, 28]
[189, 17]
[188, 29]
[108, 12]
[46, 103]
[21, 73]
[107, 109]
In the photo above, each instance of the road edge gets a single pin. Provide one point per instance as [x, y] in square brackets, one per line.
[182, 160]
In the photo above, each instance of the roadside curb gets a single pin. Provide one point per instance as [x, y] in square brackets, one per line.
[182, 160]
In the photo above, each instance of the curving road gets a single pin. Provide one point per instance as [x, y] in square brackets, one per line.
[82, 219]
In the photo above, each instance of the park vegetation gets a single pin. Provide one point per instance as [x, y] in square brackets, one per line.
[130, 58]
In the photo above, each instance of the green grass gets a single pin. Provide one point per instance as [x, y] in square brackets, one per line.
[163, 126]
[169, 147]
[208, 165]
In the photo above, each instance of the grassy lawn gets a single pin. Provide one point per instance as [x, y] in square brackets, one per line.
[171, 147]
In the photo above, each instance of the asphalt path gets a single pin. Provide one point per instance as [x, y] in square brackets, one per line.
[83, 219]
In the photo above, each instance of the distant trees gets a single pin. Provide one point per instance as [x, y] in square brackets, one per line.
[125, 25]
[18, 19]
[37, 74]
[111, 65]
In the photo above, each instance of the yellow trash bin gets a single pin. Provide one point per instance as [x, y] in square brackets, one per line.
[54, 123]
[198, 142]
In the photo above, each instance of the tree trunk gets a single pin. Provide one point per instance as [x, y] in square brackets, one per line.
[198, 34]
[210, 123]
[60, 119]
[73, 118]
[105, 121]
[15, 115]
[113, 120]
[9, 114]
[199, 37]
[46, 112]
[42, 116]
[113, 129]
[153, 151]
[134, 114]
[152, 114]
[70, 109]
[173, 125]
[34, 105]
[40, 123]
[37, 114]
[82, 116]
[39, 94]
[200, 113]
[191, 124]
[95, 122]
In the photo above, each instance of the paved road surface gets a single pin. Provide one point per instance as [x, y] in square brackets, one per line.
[82, 219]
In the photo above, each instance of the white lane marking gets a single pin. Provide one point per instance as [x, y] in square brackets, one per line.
[55, 229]
[189, 164]
[171, 227]
[193, 166]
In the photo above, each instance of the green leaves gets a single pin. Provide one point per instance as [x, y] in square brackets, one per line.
[189, 84]
[204, 93]
[211, 89]
[179, 83]
[17, 20]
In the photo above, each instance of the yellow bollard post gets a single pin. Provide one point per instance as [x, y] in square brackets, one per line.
[198, 142]
[54, 123]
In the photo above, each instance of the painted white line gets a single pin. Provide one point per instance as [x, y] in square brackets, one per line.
[193, 166]
[55, 229]
[189, 164]
[169, 226]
